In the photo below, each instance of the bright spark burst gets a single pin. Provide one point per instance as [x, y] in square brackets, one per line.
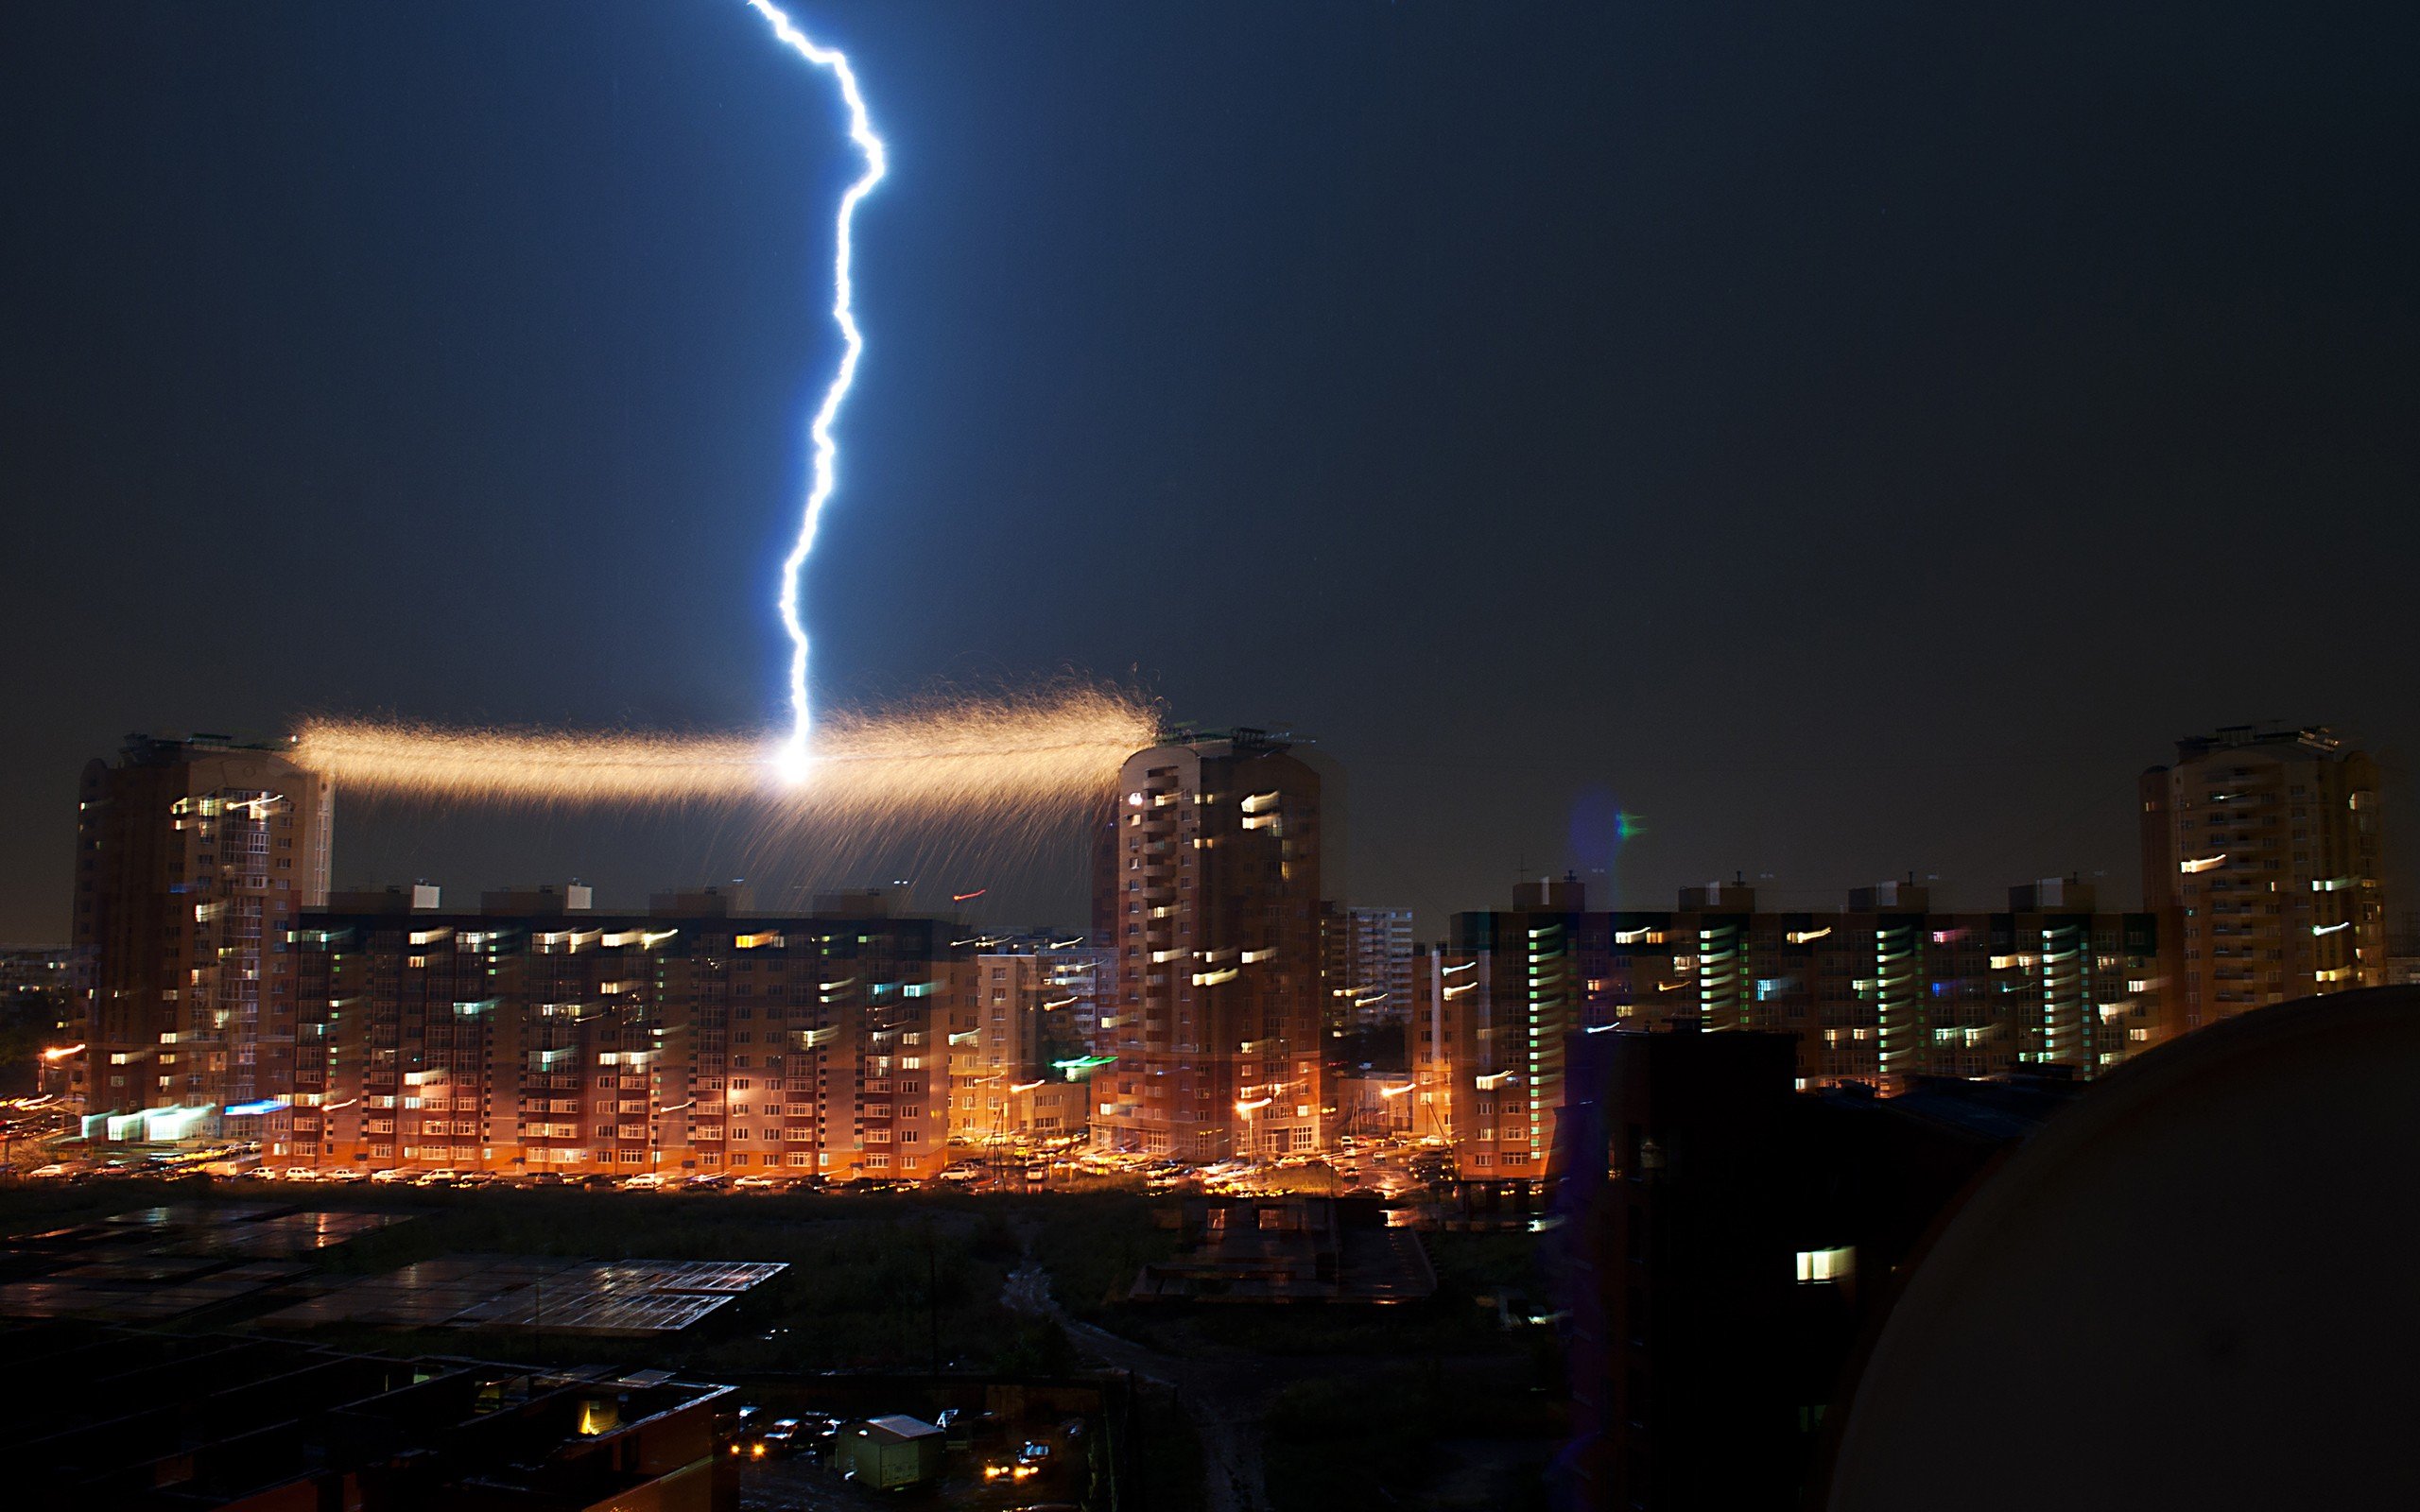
[793, 757]
[966, 759]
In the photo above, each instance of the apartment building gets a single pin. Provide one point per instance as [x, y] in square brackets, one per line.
[2265, 847]
[1885, 991]
[1213, 887]
[524, 1038]
[195, 859]
[1367, 956]
[1035, 1011]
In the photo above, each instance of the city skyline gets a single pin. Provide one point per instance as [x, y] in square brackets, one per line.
[1404, 753]
[632, 888]
[1636, 342]
[1369, 753]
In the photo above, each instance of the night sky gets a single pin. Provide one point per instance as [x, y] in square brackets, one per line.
[1850, 440]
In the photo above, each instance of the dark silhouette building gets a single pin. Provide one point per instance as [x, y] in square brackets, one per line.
[1725, 1241]
[148, 1421]
[2191, 1290]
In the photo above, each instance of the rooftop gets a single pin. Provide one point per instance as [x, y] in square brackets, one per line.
[2010, 1107]
[2235, 737]
[100, 1416]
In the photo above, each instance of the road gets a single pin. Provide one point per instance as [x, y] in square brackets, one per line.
[1227, 1400]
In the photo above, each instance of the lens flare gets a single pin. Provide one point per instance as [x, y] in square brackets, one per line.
[792, 760]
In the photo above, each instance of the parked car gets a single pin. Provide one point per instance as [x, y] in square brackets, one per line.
[785, 1438]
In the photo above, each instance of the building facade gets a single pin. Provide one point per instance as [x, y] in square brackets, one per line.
[2265, 847]
[1213, 887]
[1035, 1005]
[46, 991]
[1884, 992]
[194, 861]
[1367, 957]
[688, 1042]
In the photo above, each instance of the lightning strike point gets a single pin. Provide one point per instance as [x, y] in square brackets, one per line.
[826, 451]
[793, 761]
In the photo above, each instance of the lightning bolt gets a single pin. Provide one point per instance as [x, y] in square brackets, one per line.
[794, 754]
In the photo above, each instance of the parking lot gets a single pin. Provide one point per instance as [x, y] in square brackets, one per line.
[1393, 1168]
[792, 1458]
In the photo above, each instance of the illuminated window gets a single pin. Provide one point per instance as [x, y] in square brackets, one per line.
[1818, 1266]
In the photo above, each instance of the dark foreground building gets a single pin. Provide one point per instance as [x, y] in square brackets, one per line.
[2193, 1290]
[106, 1418]
[1726, 1241]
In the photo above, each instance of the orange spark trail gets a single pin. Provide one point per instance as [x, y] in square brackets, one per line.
[957, 761]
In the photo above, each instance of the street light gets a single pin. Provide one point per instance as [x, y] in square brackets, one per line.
[52, 1059]
[655, 1155]
[319, 1150]
[1245, 1107]
[992, 1142]
[1025, 1141]
[654, 1068]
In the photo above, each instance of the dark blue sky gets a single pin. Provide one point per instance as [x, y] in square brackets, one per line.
[1850, 438]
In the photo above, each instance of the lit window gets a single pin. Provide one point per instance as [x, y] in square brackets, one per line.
[1816, 1267]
